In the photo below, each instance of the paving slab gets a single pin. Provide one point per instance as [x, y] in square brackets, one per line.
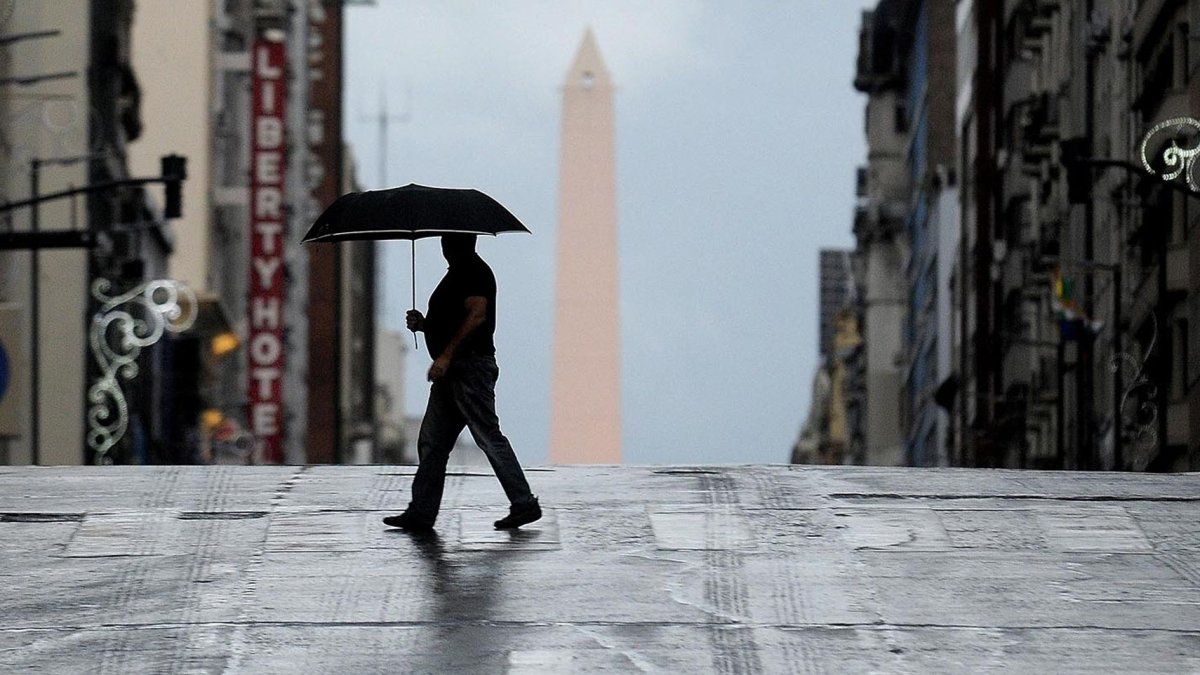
[728, 569]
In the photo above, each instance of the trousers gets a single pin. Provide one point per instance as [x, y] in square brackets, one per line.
[464, 397]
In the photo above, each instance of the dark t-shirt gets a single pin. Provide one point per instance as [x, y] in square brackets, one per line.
[448, 310]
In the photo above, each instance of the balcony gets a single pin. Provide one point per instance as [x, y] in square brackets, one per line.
[1033, 20]
[876, 220]
[878, 65]
[1040, 119]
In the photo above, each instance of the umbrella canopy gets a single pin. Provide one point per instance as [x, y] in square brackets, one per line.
[412, 212]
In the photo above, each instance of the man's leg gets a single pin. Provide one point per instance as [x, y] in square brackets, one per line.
[442, 424]
[475, 393]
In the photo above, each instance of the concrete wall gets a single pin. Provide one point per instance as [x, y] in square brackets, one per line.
[883, 329]
[172, 59]
[887, 176]
[881, 255]
[50, 119]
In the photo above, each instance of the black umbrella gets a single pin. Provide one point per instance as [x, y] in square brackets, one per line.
[412, 212]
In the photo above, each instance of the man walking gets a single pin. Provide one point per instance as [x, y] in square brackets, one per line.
[459, 334]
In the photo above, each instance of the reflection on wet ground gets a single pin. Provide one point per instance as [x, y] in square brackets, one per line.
[727, 569]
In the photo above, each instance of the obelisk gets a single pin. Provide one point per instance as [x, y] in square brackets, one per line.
[585, 424]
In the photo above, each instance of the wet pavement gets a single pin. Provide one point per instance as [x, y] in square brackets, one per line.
[717, 569]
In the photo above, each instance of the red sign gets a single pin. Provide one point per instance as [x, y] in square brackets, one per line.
[267, 235]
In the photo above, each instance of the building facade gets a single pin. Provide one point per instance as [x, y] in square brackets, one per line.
[217, 328]
[833, 425]
[1087, 290]
[837, 292]
[1161, 254]
[318, 402]
[881, 244]
[302, 380]
[1050, 269]
[71, 105]
[927, 61]
[360, 370]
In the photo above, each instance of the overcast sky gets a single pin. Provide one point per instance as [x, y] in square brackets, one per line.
[738, 133]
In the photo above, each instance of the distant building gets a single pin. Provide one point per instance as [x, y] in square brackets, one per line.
[834, 422]
[907, 226]
[585, 419]
[837, 291]
[393, 442]
[359, 369]
[881, 251]
[927, 59]
[811, 445]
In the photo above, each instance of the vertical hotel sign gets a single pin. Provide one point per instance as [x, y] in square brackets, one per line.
[266, 288]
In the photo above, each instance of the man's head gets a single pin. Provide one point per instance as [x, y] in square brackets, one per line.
[456, 247]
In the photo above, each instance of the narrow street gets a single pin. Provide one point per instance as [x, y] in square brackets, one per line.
[726, 569]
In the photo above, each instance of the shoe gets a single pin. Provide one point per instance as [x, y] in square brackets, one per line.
[409, 521]
[520, 514]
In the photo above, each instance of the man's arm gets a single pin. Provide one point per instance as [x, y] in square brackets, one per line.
[476, 317]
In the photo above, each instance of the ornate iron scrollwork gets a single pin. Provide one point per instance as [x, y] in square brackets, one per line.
[1141, 421]
[125, 324]
[1177, 161]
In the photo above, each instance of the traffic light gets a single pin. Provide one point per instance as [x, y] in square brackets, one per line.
[1074, 152]
[174, 172]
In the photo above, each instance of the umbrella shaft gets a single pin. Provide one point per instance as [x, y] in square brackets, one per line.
[413, 251]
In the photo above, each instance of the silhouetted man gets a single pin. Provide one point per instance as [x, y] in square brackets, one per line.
[458, 332]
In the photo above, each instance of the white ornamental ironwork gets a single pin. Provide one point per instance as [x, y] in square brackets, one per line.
[1177, 161]
[125, 324]
[1138, 411]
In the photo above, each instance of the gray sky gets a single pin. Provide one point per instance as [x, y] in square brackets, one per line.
[738, 133]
